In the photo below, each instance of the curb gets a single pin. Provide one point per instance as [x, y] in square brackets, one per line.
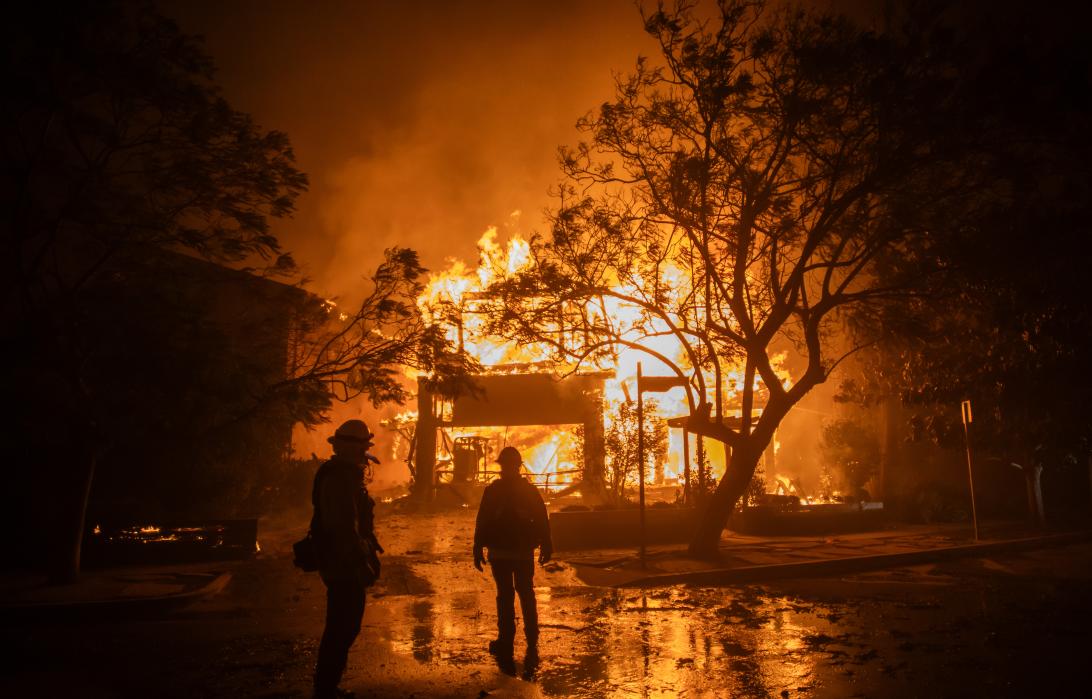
[837, 566]
[113, 606]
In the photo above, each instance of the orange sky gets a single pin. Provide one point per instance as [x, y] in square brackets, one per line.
[419, 123]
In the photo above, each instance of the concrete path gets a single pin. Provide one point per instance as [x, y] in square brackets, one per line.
[757, 559]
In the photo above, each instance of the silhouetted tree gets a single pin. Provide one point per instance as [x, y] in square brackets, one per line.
[1009, 326]
[739, 198]
[116, 143]
[118, 151]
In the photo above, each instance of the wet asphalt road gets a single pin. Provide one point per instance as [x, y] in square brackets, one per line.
[1016, 625]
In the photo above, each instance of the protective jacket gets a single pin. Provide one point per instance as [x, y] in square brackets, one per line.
[512, 520]
[344, 521]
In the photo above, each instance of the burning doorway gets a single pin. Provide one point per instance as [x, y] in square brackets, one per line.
[514, 400]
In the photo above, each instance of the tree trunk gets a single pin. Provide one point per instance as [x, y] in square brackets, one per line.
[890, 443]
[1032, 476]
[714, 516]
[595, 487]
[1090, 481]
[66, 567]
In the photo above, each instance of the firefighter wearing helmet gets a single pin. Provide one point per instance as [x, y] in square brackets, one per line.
[512, 522]
[343, 527]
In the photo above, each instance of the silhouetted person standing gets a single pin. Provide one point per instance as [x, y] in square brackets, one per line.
[344, 531]
[512, 523]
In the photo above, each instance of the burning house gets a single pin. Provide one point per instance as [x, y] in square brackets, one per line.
[557, 414]
[576, 422]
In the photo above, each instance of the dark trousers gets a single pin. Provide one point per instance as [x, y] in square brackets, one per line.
[344, 612]
[512, 577]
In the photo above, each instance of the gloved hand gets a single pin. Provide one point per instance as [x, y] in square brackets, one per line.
[479, 557]
[544, 556]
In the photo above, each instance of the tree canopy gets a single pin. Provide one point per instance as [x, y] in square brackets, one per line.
[117, 147]
[1009, 327]
[125, 172]
[738, 195]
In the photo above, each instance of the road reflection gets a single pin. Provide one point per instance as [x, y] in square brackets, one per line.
[597, 642]
[748, 641]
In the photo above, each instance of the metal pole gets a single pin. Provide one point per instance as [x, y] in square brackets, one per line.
[686, 466]
[701, 470]
[641, 459]
[967, 419]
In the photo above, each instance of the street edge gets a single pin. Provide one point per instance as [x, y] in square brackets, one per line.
[837, 566]
[115, 604]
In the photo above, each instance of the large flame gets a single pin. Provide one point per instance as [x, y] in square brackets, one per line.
[452, 295]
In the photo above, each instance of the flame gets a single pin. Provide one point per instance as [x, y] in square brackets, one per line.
[549, 460]
[449, 299]
[330, 307]
[452, 296]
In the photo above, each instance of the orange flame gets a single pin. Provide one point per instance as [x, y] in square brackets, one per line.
[450, 299]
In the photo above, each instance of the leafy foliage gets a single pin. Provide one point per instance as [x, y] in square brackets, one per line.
[852, 451]
[115, 136]
[742, 196]
[756, 488]
[620, 441]
[1008, 327]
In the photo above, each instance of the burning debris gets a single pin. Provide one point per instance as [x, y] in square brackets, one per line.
[172, 542]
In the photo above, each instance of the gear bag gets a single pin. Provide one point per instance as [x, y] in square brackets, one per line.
[305, 555]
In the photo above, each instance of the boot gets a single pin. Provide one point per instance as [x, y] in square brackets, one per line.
[500, 648]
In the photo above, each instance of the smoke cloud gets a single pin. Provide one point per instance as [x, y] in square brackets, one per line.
[420, 123]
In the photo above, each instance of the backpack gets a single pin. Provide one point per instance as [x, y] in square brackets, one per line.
[305, 552]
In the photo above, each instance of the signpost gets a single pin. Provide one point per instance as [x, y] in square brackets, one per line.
[641, 458]
[967, 419]
[654, 384]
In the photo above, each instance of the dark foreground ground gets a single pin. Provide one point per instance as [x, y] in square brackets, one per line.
[1012, 625]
